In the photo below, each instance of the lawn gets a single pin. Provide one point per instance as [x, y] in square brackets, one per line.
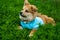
[9, 20]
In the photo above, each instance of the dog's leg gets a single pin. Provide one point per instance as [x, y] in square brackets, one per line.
[32, 32]
[52, 21]
[19, 27]
[48, 19]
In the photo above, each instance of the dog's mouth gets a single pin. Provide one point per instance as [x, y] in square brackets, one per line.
[24, 16]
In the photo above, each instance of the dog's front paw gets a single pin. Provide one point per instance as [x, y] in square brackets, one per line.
[19, 27]
[30, 35]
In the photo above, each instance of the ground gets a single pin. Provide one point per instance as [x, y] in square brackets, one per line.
[9, 20]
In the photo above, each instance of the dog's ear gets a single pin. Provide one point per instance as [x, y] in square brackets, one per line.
[26, 2]
[34, 9]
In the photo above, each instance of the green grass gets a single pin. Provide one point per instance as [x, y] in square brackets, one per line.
[9, 20]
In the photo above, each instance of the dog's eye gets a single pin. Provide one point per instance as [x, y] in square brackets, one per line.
[26, 11]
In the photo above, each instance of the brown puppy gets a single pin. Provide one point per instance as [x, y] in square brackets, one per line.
[29, 13]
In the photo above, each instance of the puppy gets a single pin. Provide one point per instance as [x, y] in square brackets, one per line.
[31, 19]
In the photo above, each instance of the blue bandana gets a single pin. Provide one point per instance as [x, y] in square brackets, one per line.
[33, 24]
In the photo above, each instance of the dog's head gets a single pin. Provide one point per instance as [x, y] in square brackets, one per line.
[29, 12]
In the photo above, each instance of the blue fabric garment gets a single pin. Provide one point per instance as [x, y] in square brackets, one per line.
[33, 24]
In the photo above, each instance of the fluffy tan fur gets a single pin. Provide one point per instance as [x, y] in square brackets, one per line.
[30, 11]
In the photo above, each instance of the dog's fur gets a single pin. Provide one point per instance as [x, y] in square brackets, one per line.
[30, 12]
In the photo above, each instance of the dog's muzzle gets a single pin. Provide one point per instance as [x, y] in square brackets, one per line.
[21, 13]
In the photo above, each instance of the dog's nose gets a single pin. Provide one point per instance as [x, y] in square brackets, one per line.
[21, 13]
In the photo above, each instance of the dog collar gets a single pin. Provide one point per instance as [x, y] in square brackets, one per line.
[33, 24]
